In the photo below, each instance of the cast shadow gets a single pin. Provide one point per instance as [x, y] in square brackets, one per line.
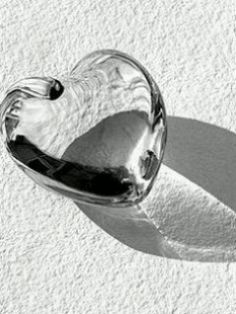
[205, 155]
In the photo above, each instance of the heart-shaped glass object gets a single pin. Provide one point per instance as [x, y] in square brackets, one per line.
[97, 136]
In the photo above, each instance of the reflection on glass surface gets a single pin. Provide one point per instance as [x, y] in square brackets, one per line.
[97, 137]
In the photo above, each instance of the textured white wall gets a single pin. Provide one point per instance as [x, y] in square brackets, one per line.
[53, 259]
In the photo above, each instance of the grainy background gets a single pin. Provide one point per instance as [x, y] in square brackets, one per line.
[53, 259]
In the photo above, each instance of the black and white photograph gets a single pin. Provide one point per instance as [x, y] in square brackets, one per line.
[117, 157]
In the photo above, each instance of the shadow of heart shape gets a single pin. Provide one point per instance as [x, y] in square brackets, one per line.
[190, 212]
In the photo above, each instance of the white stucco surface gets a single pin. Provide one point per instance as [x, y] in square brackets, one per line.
[53, 258]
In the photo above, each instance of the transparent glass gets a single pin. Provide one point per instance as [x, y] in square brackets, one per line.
[97, 137]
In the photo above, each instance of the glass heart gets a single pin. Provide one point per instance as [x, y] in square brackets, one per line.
[97, 137]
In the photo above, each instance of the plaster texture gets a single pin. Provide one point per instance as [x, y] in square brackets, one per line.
[177, 252]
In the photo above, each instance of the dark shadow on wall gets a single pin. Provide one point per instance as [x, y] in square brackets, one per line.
[137, 232]
[204, 154]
